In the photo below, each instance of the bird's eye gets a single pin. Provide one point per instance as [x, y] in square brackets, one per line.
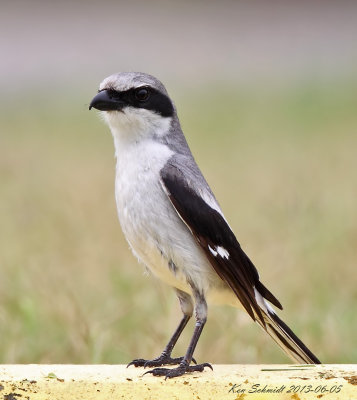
[142, 94]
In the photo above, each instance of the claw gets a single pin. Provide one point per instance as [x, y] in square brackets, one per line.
[138, 362]
[178, 371]
[164, 359]
[208, 365]
[157, 371]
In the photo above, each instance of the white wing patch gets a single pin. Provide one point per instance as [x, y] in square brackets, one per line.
[221, 251]
[262, 303]
[212, 251]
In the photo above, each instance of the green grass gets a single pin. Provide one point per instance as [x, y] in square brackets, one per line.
[284, 168]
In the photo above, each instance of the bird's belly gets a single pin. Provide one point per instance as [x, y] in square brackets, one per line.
[159, 238]
[148, 220]
[148, 227]
[151, 225]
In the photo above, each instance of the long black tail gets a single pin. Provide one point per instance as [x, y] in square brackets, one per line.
[282, 334]
[287, 339]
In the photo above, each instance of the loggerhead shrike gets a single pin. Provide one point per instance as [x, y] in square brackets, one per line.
[173, 223]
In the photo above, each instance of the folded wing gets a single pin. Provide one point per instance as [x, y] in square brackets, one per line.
[217, 240]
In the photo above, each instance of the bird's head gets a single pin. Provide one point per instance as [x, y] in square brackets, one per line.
[135, 105]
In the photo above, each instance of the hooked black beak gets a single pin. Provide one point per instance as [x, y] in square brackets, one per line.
[104, 101]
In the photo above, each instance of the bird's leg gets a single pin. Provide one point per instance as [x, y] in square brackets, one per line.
[184, 366]
[165, 357]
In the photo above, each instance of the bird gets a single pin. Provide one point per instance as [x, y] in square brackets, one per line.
[174, 224]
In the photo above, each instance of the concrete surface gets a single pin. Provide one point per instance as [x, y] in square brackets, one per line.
[248, 382]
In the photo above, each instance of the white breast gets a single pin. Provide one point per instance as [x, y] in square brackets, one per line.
[138, 196]
[143, 209]
[151, 225]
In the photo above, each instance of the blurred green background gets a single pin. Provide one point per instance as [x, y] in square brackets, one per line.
[266, 94]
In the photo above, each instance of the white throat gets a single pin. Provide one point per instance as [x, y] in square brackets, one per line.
[135, 125]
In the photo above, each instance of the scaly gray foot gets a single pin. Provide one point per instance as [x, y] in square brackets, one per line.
[182, 369]
[164, 359]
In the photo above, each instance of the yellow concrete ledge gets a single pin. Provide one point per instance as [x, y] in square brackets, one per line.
[109, 382]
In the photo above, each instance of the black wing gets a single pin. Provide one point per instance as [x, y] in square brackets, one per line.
[221, 247]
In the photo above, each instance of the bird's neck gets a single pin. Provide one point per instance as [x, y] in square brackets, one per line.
[129, 129]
